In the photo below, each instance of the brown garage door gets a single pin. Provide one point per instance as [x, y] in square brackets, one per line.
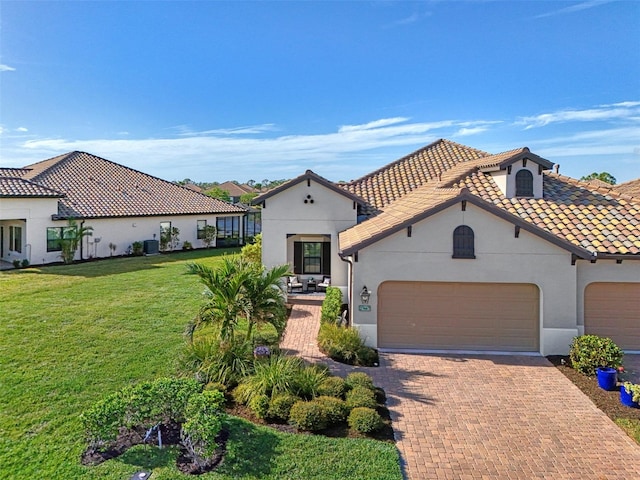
[613, 310]
[464, 316]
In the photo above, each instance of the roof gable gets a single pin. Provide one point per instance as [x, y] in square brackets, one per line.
[631, 188]
[308, 176]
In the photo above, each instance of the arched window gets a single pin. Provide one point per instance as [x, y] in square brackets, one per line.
[463, 242]
[524, 183]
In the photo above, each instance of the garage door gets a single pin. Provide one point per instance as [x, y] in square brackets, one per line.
[613, 310]
[463, 316]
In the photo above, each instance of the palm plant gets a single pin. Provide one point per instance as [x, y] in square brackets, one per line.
[240, 289]
[266, 299]
[227, 300]
[73, 235]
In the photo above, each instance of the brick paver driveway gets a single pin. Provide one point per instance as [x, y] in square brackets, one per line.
[487, 417]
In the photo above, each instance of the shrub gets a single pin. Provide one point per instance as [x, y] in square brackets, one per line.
[335, 410]
[332, 387]
[308, 380]
[187, 245]
[361, 397]
[137, 248]
[280, 406]
[145, 404]
[259, 405]
[331, 306]
[359, 379]
[588, 352]
[16, 263]
[203, 423]
[308, 416]
[365, 420]
[24, 263]
[344, 344]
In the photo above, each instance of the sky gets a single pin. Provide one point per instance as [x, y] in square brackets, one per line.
[216, 91]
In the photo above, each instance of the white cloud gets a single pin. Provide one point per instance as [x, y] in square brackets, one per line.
[463, 132]
[574, 8]
[384, 122]
[247, 130]
[6, 68]
[623, 110]
[22, 129]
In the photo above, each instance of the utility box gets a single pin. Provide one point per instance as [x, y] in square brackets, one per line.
[151, 247]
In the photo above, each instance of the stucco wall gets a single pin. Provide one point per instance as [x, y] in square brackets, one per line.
[500, 257]
[34, 216]
[287, 213]
[507, 182]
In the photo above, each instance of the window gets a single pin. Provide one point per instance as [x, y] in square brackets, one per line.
[463, 242]
[312, 258]
[252, 225]
[55, 235]
[524, 183]
[228, 231]
[15, 239]
[201, 227]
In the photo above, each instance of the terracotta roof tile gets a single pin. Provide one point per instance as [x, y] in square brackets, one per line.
[95, 187]
[395, 180]
[599, 219]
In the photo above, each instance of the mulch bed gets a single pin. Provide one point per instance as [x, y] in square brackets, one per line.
[170, 436]
[608, 402]
[385, 434]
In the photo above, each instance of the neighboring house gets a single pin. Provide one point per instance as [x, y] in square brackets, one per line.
[236, 190]
[631, 188]
[463, 250]
[121, 204]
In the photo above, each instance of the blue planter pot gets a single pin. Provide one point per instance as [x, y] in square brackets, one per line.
[627, 399]
[607, 378]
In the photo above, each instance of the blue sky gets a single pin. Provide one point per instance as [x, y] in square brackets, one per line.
[214, 91]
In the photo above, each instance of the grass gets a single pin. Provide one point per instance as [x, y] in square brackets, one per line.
[71, 334]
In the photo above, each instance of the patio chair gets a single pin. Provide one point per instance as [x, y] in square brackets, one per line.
[294, 284]
[322, 286]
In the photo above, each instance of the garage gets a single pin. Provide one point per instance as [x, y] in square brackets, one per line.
[459, 316]
[613, 310]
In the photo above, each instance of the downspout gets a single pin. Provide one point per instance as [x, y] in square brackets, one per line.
[350, 287]
[81, 225]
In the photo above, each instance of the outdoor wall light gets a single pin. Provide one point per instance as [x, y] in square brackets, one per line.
[365, 295]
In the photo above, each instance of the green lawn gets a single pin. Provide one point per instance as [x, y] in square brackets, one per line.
[70, 334]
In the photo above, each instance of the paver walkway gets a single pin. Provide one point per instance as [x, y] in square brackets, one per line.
[486, 416]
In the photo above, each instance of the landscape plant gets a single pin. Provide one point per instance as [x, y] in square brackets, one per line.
[344, 344]
[72, 236]
[252, 252]
[361, 397]
[137, 248]
[633, 390]
[588, 352]
[365, 420]
[331, 306]
[209, 235]
[204, 419]
[308, 415]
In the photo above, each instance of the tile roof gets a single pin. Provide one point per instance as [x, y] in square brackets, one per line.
[95, 187]
[19, 187]
[235, 190]
[631, 188]
[583, 217]
[395, 180]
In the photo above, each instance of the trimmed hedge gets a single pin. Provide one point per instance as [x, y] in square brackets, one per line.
[365, 420]
[308, 416]
[359, 379]
[332, 387]
[280, 406]
[335, 409]
[361, 397]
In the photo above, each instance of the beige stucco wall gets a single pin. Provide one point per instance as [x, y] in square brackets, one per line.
[286, 213]
[500, 257]
[507, 182]
[602, 271]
